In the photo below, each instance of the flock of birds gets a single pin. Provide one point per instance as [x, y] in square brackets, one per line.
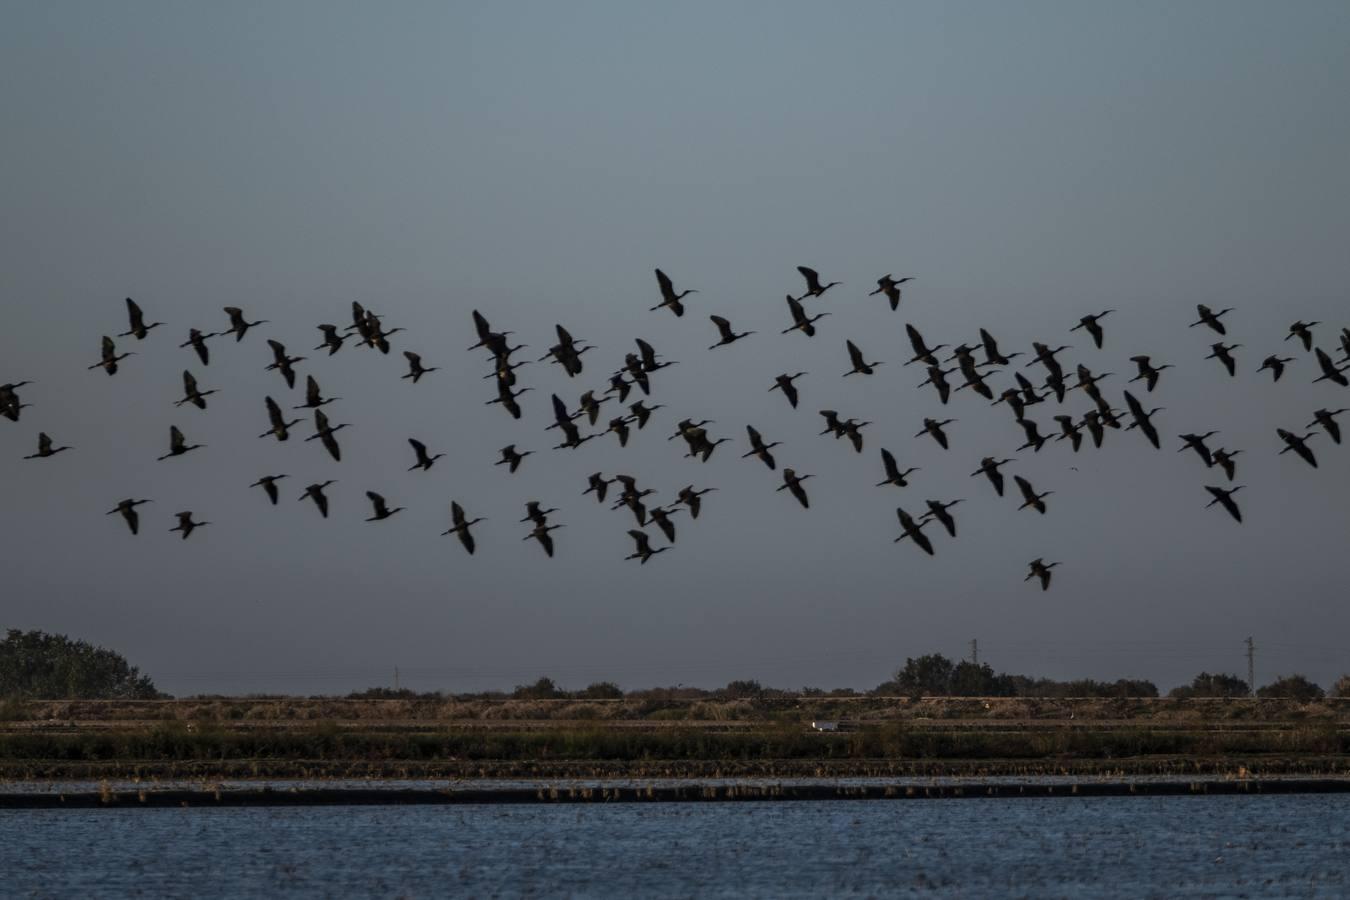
[975, 364]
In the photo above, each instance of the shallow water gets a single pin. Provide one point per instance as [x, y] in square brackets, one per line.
[1271, 846]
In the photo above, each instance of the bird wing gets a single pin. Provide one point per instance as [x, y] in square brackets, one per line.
[723, 326]
[812, 277]
[647, 351]
[378, 502]
[418, 447]
[915, 340]
[320, 421]
[189, 383]
[667, 287]
[1025, 487]
[481, 324]
[855, 355]
[134, 314]
[888, 460]
[457, 513]
[1136, 409]
[175, 438]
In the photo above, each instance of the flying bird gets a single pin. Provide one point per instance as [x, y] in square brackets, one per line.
[669, 299]
[186, 525]
[934, 427]
[111, 357]
[541, 534]
[1225, 499]
[191, 393]
[461, 526]
[644, 550]
[1092, 325]
[1275, 364]
[598, 485]
[315, 492]
[1303, 331]
[1326, 418]
[332, 340]
[1223, 353]
[813, 286]
[792, 482]
[860, 364]
[937, 377]
[1211, 318]
[1041, 569]
[938, 510]
[1298, 444]
[1142, 419]
[989, 468]
[137, 319]
[1330, 371]
[1224, 460]
[424, 461]
[759, 449]
[283, 362]
[922, 352]
[324, 433]
[785, 384]
[728, 336]
[269, 484]
[280, 427]
[1029, 496]
[1148, 372]
[127, 509]
[512, 458]
[416, 370]
[891, 288]
[380, 507]
[1196, 442]
[238, 325]
[177, 444]
[197, 341]
[893, 474]
[693, 499]
[45, 448]
[914, 531]
[800, 320]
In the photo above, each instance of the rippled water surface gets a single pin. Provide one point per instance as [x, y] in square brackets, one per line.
[1271, 846]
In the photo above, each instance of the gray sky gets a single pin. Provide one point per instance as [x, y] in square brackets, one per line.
[1030, 163]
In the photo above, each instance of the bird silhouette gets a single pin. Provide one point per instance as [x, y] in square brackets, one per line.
[914, 531]
[1326, 418]
[1148, 372]
[185, 524]
[1029, 496]
[992, 355]
[1330, 371]
[938, 510]
[860, 364]
[280, 427]
[669, 299]
[332, 339]
[380, 508]
[693, 499]
[1275, 364]
[598, 485]
[534, 512]
[45, 448]
[177, 444]
[724, 329]
[127, 509]
[314, 395]
[989, 468]
[1196, 442]
[1225, 499]
[792, 482]
[111, 357]
[137, 319]
[785, 384]
[1224, 459]
[891, 288]
[1092, 325]
[315, 492]
[1070, 431]
[1223, 353]
[1298, 444]
[1041, 569]
[424, 461]
[1142, 419]
[191, 393]
[1303, 331]
[813, 286]
[893, 474]
[541, 534]
[660, 516]
[512, 458]
[922, 352]
[1211, 318]
[934, 427]
[643, 413]
[269, 484]
[197, 341]
[800, 320]
[759, 449]
[644, 550]
[325, 434]
[937, 377]
[283, 362]
[415, 368]
[1035, 440]
[460, 527]
[238, 325]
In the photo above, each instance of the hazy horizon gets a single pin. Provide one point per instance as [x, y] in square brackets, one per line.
[1029, 163]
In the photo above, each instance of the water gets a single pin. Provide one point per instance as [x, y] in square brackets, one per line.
[1272, 846]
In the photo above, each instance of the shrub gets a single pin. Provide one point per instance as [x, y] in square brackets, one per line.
[1293, 687]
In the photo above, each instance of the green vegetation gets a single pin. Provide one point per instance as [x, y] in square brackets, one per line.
[39, 666]
[1207, 685]
[1293, 687]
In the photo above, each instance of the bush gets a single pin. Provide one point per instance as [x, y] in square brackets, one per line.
[1342, 687]
[601, 690]
[543, 689]
[1207, 685]
[1293, 687]
[39, 666]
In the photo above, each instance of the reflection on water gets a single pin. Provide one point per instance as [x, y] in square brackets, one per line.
[1269, 846]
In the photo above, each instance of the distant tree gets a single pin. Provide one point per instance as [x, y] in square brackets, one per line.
[543, 689]
[969, 679]
[601, 690]
[1342, 687]
[39, 666]
[931, 674]
[1293, 687]
[742, 690]
[386, 693]
[1216, 685]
